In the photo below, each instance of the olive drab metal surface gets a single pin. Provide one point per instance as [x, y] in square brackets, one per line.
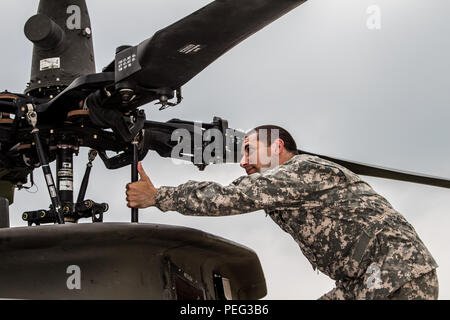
[125, 261]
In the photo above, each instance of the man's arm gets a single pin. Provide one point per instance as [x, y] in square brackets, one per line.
[278, 188]
[212, 199]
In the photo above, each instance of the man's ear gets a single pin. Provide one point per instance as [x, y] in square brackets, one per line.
[279, 146]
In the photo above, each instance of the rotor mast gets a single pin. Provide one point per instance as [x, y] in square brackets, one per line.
[63, 49]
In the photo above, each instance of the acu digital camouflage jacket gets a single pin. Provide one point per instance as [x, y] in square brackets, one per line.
[341, 224]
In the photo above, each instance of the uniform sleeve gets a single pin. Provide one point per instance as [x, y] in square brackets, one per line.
[281, 187]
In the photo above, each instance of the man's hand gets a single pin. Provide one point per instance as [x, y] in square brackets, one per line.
[141, 194]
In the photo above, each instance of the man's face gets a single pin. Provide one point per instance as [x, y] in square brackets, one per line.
[256, 155]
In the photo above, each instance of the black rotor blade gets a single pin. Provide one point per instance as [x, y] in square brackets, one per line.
[380, 172]
[176, 54]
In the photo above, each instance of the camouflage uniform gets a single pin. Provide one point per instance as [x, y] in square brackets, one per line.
[343, 227]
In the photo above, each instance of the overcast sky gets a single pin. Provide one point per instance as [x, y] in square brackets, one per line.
[374, 96]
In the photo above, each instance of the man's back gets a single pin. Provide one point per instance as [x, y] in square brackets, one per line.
[347, 230]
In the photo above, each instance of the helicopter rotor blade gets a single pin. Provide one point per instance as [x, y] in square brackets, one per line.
[177, 53]
[386, 173]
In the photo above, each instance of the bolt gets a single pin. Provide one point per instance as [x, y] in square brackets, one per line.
[127, 95]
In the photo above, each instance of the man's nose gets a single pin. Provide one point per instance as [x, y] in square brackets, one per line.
[244, 161]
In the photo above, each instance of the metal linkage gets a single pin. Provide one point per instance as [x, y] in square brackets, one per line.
[84, 209]
[72, 212]
[91, 156]
[134, 177]
[39, 216]
[89, 208]
[56, 202]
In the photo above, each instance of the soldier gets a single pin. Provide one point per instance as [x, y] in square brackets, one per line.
[343, 227]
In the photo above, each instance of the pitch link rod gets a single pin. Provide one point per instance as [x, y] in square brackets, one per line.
[82, 193]
[56, 202]
[134, 176]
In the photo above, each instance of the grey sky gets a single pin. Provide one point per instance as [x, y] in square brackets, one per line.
[375, 96]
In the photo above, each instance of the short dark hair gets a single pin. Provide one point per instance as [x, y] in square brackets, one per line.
[283, 134]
